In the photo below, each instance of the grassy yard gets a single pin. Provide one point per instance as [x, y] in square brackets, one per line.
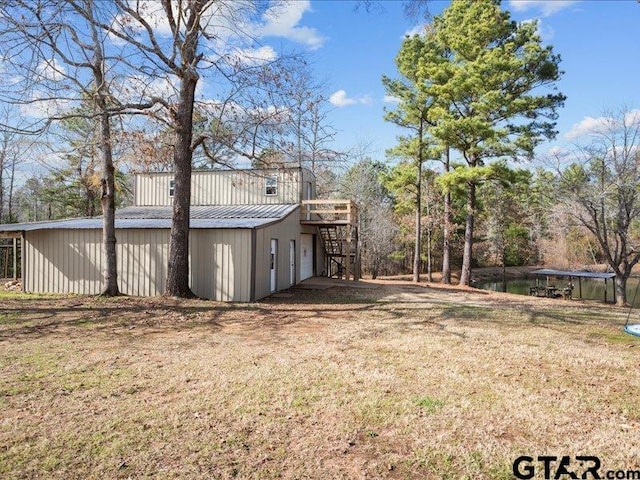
[391, 381]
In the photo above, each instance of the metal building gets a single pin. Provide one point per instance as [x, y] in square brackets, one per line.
[252, 233]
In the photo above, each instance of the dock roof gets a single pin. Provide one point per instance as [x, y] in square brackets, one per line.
[573, 273]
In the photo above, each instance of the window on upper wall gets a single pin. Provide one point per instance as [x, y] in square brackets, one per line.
[271, 186]
[172, 188]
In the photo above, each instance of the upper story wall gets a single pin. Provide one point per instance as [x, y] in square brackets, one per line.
[229, 187]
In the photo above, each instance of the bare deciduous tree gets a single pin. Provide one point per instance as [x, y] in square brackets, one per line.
[173, 45]
[59, 57]
[602, 186]
[362, 183]
[12, 151]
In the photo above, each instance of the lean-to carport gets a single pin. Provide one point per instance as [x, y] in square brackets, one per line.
[546, 272]
[9, 253]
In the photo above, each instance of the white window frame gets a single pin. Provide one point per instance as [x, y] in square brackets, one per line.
[172, 188]
[271, 186]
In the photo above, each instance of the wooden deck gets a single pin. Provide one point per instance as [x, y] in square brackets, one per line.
[329, 212]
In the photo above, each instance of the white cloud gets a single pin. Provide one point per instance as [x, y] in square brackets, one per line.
[545, 31]
[340, 99]
[559, 157]
[586, 126]
[390, 99]
[632, 117]
[50, 70]
[221, 20]
[255, 56]
[236, 112]
[151, 11]
[282, 19]
[42, 106]
[365, 100]
[558, 152]
[595, 125]
[138, 88]
[547, 7]
[417, 30]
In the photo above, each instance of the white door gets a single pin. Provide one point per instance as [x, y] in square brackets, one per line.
[274, 264]
[306, 256]
[292, 262]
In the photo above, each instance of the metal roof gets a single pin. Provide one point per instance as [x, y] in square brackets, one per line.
[209, 212]
[217, 216]
[576, 274]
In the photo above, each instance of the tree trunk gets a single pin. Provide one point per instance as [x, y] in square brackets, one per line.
[429, 247]
[504, 269]
[3, 158]
[108, 200]
[11, 187]
[446, 230]
[178, 269]
[465, 276]
[429, 257]
[418, 245]
[620, 283]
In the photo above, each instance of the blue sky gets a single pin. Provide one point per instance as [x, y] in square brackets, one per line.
[350, 49]
[598, 40]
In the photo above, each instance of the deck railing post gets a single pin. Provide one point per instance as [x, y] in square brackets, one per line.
[580, 287]
[15, 258]
[347, 259]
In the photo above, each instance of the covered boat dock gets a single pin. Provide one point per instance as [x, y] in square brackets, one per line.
[551, 290]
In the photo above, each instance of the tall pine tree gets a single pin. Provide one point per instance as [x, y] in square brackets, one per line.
[493, 88]
[412, 113]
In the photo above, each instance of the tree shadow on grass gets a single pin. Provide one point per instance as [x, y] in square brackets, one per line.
[85, 315]
[397, 307]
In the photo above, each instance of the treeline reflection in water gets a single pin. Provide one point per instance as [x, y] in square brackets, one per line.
[592, 289]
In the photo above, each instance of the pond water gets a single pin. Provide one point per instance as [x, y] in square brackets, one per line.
[592, 289]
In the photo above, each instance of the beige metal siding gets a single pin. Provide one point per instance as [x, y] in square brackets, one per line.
[221, 264]
[308, 179]
[70, 261]
[63, 261]
[284, 231]
[143, 256]
[243, 188]
[152, 189]
[262, 271]
[240, 187]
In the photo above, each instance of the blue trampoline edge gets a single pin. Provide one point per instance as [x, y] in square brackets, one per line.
[633, 329]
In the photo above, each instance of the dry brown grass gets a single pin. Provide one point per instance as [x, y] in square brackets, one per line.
[397, 381]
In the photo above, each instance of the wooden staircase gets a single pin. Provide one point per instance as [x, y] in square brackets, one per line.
[337, 224]
[331, 239]
[336, 246]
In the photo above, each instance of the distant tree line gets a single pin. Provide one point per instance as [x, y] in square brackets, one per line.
[576, 209]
